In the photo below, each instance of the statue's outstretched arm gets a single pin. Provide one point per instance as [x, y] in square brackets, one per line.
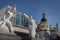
[3, 20]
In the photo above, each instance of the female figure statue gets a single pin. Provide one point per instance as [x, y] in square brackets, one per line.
[32, 27]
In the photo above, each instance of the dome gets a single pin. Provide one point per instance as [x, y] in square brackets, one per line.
[43, 20]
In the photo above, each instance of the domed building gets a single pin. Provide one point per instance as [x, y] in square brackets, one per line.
[43, 25]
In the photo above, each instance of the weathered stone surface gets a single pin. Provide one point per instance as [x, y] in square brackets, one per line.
[9, 36]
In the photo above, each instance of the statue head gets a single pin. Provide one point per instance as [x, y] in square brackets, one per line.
[30, 17]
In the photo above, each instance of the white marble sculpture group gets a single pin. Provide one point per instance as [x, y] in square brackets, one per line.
[5, 24]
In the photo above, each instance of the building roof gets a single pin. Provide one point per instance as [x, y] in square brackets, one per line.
[43, 18]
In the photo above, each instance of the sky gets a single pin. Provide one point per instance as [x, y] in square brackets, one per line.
[35, 9]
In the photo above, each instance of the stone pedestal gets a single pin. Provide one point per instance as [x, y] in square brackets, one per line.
[8, 36]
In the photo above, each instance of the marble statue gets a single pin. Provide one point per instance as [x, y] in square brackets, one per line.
[33, 27]
[5, 24]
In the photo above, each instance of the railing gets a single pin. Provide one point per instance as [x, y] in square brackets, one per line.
[20, 29]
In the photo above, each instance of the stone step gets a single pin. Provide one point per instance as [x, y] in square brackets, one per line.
[9, 36]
